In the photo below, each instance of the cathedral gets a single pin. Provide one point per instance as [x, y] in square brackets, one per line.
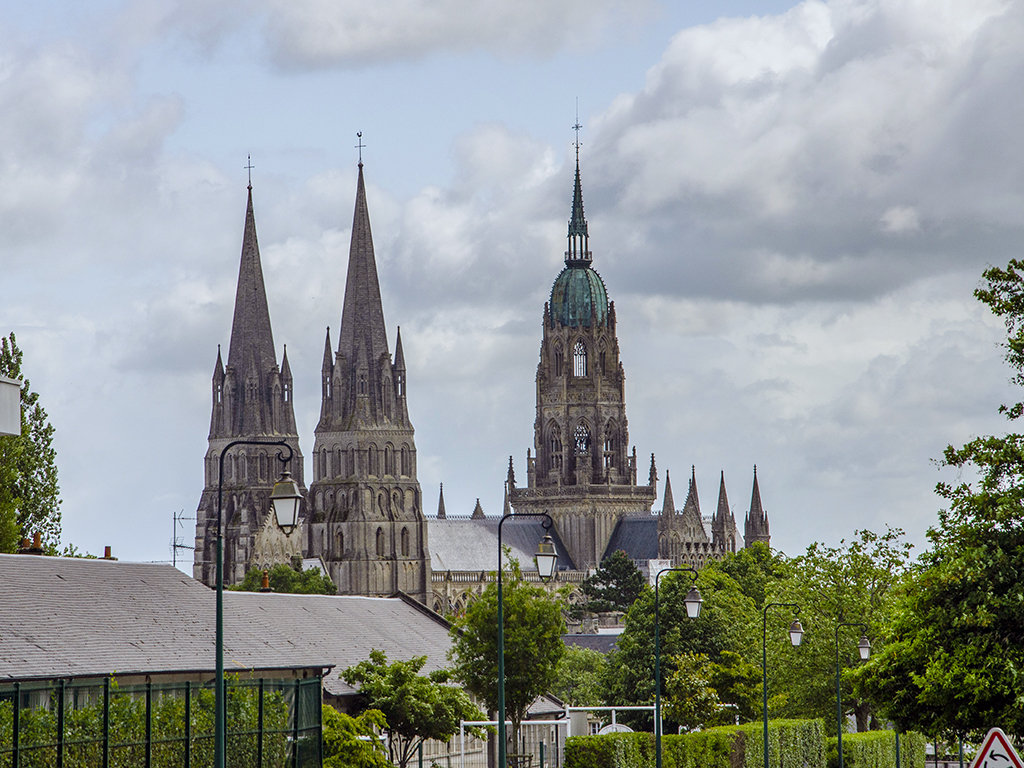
[363, 518]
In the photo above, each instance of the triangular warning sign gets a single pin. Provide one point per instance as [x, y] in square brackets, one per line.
[997, 752]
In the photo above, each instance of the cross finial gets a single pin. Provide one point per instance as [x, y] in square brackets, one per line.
[577, 129]
[359, 146]
[249, 168]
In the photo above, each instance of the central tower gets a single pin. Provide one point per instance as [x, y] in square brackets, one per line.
[583, 474]
[367, 521]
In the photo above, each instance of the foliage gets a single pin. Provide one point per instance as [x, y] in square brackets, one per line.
[738, 684]
[287, 580]
[725, 623]
[755, 569]
[415, 706]
[615, 586]
[851, 583]
[352, 742]
[578, 677]
[876, 749]
[955, 649]
[793, 743]
[29, 493]
[533, 645]
[689, 699]
[83, 729]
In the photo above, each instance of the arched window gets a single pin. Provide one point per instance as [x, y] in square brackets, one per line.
[400, 381]
[362, 383]
[389, 460]
[338, 469]
[559, 361]
[603, 368]
[555, 446]
[263, 466]
[380, 542]
[340, 550]
[287, 392]
[405, 461]
[405, 542]
[579, 359]
[582, 440]
[372, 455]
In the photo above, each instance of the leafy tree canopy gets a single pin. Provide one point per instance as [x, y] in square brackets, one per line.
[352, 742]
[285, 579]
[955, 649]
[578, 677]
[615, 586]
[756, 569]
[690, 700]
[29, 494]
[533, 645]
[415, 706]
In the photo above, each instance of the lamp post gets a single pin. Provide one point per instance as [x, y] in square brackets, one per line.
[692, 601]
[796, 635]
[864, 649]
[284, 501]
[546, 557]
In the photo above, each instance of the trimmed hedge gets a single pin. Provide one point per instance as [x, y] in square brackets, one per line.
[877, 749]
[793, 743]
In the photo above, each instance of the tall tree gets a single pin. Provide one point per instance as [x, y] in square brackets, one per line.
[533, 645]
[954, 655]
[29, 494]
[615, 586]
[415, 707]
[578, 677]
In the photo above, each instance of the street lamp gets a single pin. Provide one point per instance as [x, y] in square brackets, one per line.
[546, 557]
[284, 502]
[692, 601]
[796, 635]
[864, 649]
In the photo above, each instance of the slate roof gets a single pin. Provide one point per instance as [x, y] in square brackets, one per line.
[636, 536]
[599, 643]
[66, 617]
[471, 544]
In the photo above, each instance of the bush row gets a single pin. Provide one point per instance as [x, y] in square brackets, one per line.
[876, 749]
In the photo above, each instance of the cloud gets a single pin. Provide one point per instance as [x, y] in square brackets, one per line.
[328, 33]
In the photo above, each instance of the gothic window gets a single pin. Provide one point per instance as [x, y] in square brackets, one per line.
[327, 387]
[287, 392]
[405, 461]
[555, 447]
[579, 359]
[372, 456]
[220, 391]
[380, 542]
[337, 462]
[352, 461]
[582, 440]
[603, 369]
[400, 379]
[558, 361]
[362, 383]
[405, 542]
[323, 463]
[389, 459]
[263, 466]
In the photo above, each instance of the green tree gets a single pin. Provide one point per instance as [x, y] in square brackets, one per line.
[352, 742]
[738, 683]
[533, 645]
[851, 583]
[690, 700]
[756, 569]
[29, 494]
[726, 623]
[615, 586]
[578, 677]
[285, 579]
[416, 707]
[954, 654]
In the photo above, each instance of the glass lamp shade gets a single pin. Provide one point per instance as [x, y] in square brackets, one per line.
[284, 501]
[693, 601]
[796, 632]
[546, 557]
[864, 648]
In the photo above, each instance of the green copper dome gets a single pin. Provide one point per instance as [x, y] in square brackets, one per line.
[578, 295]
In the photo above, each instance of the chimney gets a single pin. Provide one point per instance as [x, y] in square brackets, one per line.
[266, 583]
[33, 548]
[107, 555]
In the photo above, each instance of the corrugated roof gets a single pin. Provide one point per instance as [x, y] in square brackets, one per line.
[469, 544]
[66, 617]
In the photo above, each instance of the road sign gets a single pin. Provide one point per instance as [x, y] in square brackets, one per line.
[997, 752]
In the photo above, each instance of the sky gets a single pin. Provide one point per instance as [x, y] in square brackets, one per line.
[790, 205]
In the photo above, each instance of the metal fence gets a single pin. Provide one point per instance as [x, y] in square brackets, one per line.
[101, 724]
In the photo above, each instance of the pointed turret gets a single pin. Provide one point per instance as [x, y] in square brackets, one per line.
[692, 504]
[441, 515]
[723, 500]
[668, 506]
[723, 525]
[756, 524]
[579, 240]
[399, 354]
[478, 511]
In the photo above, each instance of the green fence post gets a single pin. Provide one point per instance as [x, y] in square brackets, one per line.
[259, 730]
[16, 761]
[149, 724]
[897, 749]
[106, 722]
[542, 754]
[188, 724]
[60, 724]
[295, 730]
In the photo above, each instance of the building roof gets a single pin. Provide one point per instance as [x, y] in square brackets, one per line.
[602, 643]
[471, 544]
[68, 617]
[636, 536]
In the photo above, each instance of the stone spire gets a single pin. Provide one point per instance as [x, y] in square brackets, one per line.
[478, 511]
[755, 526]
[440, 504]
[723, 500]
[668, 506]
[723, 524]
[692, 505]
[362, 315]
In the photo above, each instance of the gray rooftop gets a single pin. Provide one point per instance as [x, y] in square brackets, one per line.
[467, 544]
[636, 536]
[66, 617]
